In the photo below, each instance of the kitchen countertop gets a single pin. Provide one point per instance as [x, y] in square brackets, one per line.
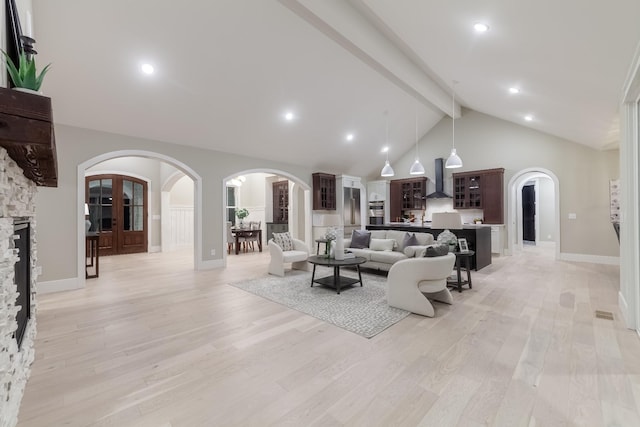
[427, 224]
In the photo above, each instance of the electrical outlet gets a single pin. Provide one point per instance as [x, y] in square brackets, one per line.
[572, 216]
[39, 270]
[213, 251]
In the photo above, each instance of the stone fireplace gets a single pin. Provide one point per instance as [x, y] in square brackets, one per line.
[17, 212]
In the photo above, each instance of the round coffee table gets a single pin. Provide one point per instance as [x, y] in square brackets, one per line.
[336, 281]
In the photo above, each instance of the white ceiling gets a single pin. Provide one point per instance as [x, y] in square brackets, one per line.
[227, 70]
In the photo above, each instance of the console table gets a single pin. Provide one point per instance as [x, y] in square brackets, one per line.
[93, 254]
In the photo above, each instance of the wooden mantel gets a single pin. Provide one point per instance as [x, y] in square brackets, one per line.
[26, 132]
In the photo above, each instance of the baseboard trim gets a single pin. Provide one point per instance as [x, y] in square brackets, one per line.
[594, 259]
[52, 286]
[210, 264]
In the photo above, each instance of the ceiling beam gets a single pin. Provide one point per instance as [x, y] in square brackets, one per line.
[348, 27]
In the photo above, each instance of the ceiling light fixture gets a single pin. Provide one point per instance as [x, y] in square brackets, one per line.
[387, 170]
[454, 161]
[288, 116]
[480, 27]
[147, 69]
[350, 137]
[514, 90]
[416, 167]
[528, 118]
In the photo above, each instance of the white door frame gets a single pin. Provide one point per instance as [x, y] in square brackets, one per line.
[514, 206]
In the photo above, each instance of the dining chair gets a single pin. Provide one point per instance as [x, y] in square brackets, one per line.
[251, 237]
[231, 238]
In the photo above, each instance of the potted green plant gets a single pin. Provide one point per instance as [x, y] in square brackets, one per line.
[242, 213]
[24, 75]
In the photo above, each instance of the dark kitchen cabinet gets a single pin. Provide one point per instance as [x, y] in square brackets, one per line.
[406, 195]
[324, 191]
[281, 202]
[481, 189]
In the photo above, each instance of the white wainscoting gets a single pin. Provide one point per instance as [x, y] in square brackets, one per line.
[180, 234]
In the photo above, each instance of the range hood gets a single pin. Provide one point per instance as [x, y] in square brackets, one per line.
[439, 193]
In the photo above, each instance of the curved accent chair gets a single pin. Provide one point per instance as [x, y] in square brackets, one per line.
[411, 281]
[297, 257]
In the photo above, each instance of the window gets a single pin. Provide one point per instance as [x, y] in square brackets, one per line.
[231, 204]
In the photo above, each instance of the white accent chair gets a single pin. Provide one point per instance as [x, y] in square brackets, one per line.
[411, 281]
[297, 257]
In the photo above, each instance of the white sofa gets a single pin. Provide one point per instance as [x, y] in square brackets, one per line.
[412, 281]
[384, 259]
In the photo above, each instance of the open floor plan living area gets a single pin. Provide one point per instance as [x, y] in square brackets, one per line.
[319, 213]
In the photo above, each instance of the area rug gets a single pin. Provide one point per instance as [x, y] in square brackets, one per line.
[361, 310]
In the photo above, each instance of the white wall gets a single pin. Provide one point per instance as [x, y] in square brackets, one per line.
[485, 142]
[629, 296]
[58, 229]
[181, 193]
[545, 202]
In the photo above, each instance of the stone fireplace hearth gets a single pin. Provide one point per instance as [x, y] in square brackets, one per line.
[16, 205]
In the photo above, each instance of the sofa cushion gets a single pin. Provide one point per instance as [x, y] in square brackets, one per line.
[409, 240]
[283, 240]
[379, 234]
[425, 239]
[387, 257]
[364, 253]
[381, 244]
[436, 250]
[360, 239]
[414, 251]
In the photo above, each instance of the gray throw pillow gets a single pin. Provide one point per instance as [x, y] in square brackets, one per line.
[360, 239]
[436, 250]
[409, 240]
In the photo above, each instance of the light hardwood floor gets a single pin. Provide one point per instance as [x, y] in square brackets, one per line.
[154, 343]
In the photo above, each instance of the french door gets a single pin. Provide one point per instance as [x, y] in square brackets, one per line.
[118, 211]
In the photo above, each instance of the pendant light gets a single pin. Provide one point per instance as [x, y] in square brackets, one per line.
[416, 167]
[387, 170]
[454, 161]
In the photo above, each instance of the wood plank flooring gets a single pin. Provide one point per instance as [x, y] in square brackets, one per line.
[154, 343]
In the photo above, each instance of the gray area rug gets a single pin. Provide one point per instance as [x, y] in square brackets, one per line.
[362, 310]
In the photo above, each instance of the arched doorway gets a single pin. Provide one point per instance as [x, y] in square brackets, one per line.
[197, 180]
[515, 221]
[299, 203]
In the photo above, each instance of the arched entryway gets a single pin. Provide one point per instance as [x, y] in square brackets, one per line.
[525, 177]
[299, 203]
[197, 181]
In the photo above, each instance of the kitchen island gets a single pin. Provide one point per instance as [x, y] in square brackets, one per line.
[478, 237]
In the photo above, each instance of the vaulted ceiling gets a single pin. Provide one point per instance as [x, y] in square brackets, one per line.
[227, 71]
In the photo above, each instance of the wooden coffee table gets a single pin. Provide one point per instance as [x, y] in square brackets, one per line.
[336, 281]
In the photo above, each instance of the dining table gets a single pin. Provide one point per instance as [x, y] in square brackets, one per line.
[239, 233]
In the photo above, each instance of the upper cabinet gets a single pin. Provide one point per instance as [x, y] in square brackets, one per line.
[281, 202]
[481, 189]
[324, 191]
[406, 195]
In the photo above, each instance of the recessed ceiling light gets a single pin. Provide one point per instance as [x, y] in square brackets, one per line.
[384, 149]
[147, 69]
[288, 116]
[514, 90]
[349, 137]
[528, 117]
[480, 27]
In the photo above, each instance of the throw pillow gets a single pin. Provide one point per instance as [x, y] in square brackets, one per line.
[409, 240]
[436, 250]
[360, 239]
[381, 244]
[283, 240]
